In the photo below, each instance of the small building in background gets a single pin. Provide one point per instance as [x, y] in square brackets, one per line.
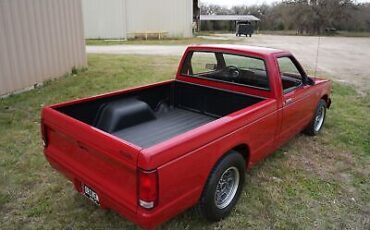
[39, 40]
[121, 19]
[230, 22]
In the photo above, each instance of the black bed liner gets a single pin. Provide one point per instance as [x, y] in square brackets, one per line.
[149, 116]
[172, 123]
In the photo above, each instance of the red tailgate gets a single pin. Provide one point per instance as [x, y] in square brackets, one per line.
[88, 156]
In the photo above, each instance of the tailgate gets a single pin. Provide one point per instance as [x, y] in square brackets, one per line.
[88, 156]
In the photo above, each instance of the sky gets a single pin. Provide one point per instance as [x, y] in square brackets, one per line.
[230, 3]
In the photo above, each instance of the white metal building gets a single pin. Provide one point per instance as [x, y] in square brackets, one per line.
[119, 18]
[39, 40]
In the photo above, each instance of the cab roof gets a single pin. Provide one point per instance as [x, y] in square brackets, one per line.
[244, 48]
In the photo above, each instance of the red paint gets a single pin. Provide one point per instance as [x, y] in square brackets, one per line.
[172, 173]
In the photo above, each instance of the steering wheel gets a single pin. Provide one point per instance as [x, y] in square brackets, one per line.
[234, 71]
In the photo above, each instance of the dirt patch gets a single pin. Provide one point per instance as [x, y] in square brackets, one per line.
[326, 163]
[314, 177]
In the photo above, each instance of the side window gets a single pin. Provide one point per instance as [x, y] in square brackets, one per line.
[291, 78]
[203, 62]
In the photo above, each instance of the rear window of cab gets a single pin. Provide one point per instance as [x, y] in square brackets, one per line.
[226, 67]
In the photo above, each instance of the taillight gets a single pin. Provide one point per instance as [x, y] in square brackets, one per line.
[44, 134]
[147, 188]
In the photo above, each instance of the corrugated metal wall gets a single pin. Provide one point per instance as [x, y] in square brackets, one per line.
[114, 18]
[172, 16]
[39, 40]
[104, 19]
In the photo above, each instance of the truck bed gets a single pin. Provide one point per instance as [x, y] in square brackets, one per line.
[152, 115]
[171, 123]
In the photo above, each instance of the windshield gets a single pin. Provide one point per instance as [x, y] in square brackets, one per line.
[230, 68]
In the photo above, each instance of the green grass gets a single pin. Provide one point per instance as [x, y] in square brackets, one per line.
[311, 182]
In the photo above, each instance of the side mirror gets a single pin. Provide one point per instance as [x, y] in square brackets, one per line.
[309, 81]
[211, 66]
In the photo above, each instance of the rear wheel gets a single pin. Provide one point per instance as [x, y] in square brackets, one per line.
[223, 187]
[317, 122]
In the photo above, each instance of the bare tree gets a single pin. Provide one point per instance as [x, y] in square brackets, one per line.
[313, 17]
[304, 16]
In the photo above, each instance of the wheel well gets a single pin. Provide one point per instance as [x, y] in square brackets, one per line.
[326, 99]
[243, 149]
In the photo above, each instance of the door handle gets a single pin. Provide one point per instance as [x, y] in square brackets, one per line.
[288, 101]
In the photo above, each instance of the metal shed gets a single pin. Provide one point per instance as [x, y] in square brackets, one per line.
[228, 18]
[105, 19]
[39, 40]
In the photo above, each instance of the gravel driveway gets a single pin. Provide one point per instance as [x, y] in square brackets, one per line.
[345, 59]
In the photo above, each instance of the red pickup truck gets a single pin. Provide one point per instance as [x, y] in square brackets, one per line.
[153, 151]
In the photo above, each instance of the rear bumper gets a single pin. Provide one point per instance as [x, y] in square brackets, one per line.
[145, 219]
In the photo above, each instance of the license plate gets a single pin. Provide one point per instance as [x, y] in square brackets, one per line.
[91, 194]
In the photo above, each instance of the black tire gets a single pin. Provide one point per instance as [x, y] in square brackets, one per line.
[316, 124]
[208, 206]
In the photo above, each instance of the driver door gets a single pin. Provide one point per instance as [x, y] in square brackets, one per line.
[298, 103]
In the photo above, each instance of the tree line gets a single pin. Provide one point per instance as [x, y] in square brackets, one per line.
[302, 16]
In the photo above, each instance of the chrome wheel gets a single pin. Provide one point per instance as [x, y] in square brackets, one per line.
[319, 119]
[227, 187]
